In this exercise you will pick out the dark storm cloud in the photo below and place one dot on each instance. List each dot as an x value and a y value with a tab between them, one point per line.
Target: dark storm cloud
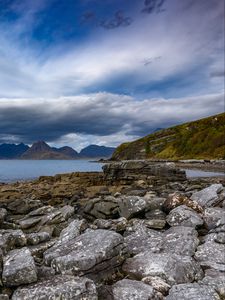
100	114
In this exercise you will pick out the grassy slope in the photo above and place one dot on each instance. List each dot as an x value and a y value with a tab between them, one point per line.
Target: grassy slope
203	138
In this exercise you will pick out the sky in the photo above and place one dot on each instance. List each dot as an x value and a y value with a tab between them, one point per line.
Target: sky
82	72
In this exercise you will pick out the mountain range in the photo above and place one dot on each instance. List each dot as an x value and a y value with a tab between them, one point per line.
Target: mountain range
41	150
201	139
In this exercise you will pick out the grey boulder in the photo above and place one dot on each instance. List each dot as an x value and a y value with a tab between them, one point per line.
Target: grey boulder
131	206
58	287
209	196
19	268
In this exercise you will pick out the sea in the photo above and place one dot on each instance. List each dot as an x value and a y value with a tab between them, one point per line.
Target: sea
22	170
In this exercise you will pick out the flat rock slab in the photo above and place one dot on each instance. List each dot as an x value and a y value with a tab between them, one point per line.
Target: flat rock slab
172	268
58	287
192	291
208	196
131	289
19	268
89	253
185	216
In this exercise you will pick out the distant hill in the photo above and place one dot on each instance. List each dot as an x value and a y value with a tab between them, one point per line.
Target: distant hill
204	138
95	151
9	151
41	150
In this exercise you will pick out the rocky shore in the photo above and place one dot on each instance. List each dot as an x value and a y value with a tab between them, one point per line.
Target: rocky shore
137	231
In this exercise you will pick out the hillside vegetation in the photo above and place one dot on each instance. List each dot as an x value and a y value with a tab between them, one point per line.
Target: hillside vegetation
201	139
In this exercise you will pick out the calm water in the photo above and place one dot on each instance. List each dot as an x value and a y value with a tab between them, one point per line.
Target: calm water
200	173
13	170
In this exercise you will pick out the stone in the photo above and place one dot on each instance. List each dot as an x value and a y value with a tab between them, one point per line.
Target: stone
156	219
19	268
127	289
3	214
58	287
38	237
102	208
23	206
91	253
170	267
213	217
117	225
209	196
185	216
154	202
4	297
211	255
192	291
67	211
220	237
157	283
10	239
131	206
45	272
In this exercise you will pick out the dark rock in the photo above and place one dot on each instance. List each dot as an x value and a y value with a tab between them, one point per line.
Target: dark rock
44	272
58	287
19	268
214	217
91	253
23	206
173	268
3	214
10	239
131	206
37	238
154	202
185	216
209	196
156	219
117	225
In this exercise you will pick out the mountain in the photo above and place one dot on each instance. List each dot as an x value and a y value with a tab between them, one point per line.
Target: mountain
201	139
95	151
41	150
9	151
68	151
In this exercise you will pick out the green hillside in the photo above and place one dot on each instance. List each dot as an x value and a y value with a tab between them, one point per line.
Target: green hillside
201	139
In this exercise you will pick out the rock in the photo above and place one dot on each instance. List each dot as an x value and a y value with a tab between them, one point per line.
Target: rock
156	219
131	206
117	225
102	208
192	291
185	216
127	289
38	250
220	238
23	206
154	202
170	267
19	268
92	253
213	217
211	255
209	196
176	199
10	239
37	238
158	284
67	211
3	214
58	287
44	272
180	240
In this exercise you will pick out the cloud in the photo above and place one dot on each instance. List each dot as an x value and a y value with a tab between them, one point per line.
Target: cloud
103	116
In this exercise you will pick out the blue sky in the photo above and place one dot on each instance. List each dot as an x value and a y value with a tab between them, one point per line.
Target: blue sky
89	71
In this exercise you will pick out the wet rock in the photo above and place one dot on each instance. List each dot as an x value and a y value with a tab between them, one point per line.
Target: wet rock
117	225
158	284
170	267
192	291
214	216
23	206
10	239
127	289
91	253
59	287
185	216
102	208
156	219
209	196
19	268
176	199
211	255
37	238
131	206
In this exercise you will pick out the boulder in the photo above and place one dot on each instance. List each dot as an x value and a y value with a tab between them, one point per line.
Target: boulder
131	206
19	268
37	238
117	225
157	283
10	239
185	216
58	287
214	217
23	206
209	196
170	267
211	255
127	289
193	291
156	219
3	214
93	253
